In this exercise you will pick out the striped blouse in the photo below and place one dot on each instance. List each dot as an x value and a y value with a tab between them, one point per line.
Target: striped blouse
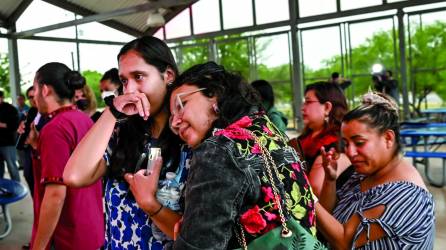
408	219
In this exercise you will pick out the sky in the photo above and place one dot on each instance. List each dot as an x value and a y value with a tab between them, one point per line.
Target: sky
317	45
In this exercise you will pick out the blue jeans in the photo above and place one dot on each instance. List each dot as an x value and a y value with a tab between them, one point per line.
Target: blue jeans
8	153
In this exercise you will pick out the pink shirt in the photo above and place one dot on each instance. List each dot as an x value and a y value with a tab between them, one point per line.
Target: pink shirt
81	223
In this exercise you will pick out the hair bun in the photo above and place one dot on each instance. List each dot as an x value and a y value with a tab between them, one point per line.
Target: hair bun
375	98
74	80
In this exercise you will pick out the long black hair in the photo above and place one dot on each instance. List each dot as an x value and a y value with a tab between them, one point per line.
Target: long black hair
266	93
62	79
235	98
134	134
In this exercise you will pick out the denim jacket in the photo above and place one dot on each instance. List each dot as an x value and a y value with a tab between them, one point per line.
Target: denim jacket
228	183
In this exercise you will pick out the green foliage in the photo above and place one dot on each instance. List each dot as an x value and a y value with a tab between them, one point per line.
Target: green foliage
429	51
376	49
427	61
4	73
278	73
93	78
234	56
192	56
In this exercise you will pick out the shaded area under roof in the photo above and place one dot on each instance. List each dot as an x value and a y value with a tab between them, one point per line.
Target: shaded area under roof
128	16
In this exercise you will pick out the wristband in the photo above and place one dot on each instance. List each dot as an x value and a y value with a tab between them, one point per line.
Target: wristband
157	211
109	102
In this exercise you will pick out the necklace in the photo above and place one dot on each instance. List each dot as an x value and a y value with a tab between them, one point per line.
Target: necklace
60	110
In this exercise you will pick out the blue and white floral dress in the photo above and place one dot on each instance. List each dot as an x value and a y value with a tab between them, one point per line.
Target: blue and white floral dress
127	225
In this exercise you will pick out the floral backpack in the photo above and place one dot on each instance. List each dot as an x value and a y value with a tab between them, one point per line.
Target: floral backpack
256	136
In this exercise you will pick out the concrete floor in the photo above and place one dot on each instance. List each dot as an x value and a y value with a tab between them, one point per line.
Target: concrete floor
22	217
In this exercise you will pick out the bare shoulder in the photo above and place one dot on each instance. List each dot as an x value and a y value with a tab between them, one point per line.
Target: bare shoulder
410	173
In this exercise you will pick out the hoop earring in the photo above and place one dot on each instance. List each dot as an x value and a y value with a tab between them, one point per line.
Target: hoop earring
169	84
326	119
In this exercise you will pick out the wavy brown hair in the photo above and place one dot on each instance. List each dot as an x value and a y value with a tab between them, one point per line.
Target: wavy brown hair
330	92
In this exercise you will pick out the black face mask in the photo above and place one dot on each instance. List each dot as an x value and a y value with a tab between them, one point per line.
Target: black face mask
82	104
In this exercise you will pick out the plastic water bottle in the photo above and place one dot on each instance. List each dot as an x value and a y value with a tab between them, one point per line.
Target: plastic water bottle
168	192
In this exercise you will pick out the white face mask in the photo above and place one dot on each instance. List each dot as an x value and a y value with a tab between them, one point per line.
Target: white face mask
107	93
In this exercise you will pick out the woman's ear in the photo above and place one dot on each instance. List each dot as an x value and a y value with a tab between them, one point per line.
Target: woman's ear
328	107
389	136
169	76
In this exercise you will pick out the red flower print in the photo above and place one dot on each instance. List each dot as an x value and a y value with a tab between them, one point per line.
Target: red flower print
311	217
234	133
270	216
244	122
253	221
267	131
296	166
256	149
293	176
268	191
237	129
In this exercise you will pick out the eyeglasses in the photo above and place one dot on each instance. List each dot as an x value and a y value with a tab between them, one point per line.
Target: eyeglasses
306	102
178	107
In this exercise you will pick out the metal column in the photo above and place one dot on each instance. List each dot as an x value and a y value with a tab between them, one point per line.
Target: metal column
296	77
14	71
403	67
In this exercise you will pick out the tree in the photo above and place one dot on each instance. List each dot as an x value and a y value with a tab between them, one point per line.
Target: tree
191	56
232	55
93	77
4	73
428	57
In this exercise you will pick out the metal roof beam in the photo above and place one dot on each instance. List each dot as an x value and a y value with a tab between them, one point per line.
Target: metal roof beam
85	12
18	11
366	10
104	16
3	22
69	40
346	13
169	16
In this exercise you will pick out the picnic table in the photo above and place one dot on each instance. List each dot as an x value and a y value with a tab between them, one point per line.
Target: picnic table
439	113
10	191
429	137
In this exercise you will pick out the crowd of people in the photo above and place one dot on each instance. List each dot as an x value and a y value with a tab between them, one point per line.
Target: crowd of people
227	173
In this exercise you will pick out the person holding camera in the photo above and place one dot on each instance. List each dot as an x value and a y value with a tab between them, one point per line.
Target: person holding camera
384	83
343	83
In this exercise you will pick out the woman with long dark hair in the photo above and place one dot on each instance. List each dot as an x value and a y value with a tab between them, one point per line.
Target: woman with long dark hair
218	115
146	69
322	111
